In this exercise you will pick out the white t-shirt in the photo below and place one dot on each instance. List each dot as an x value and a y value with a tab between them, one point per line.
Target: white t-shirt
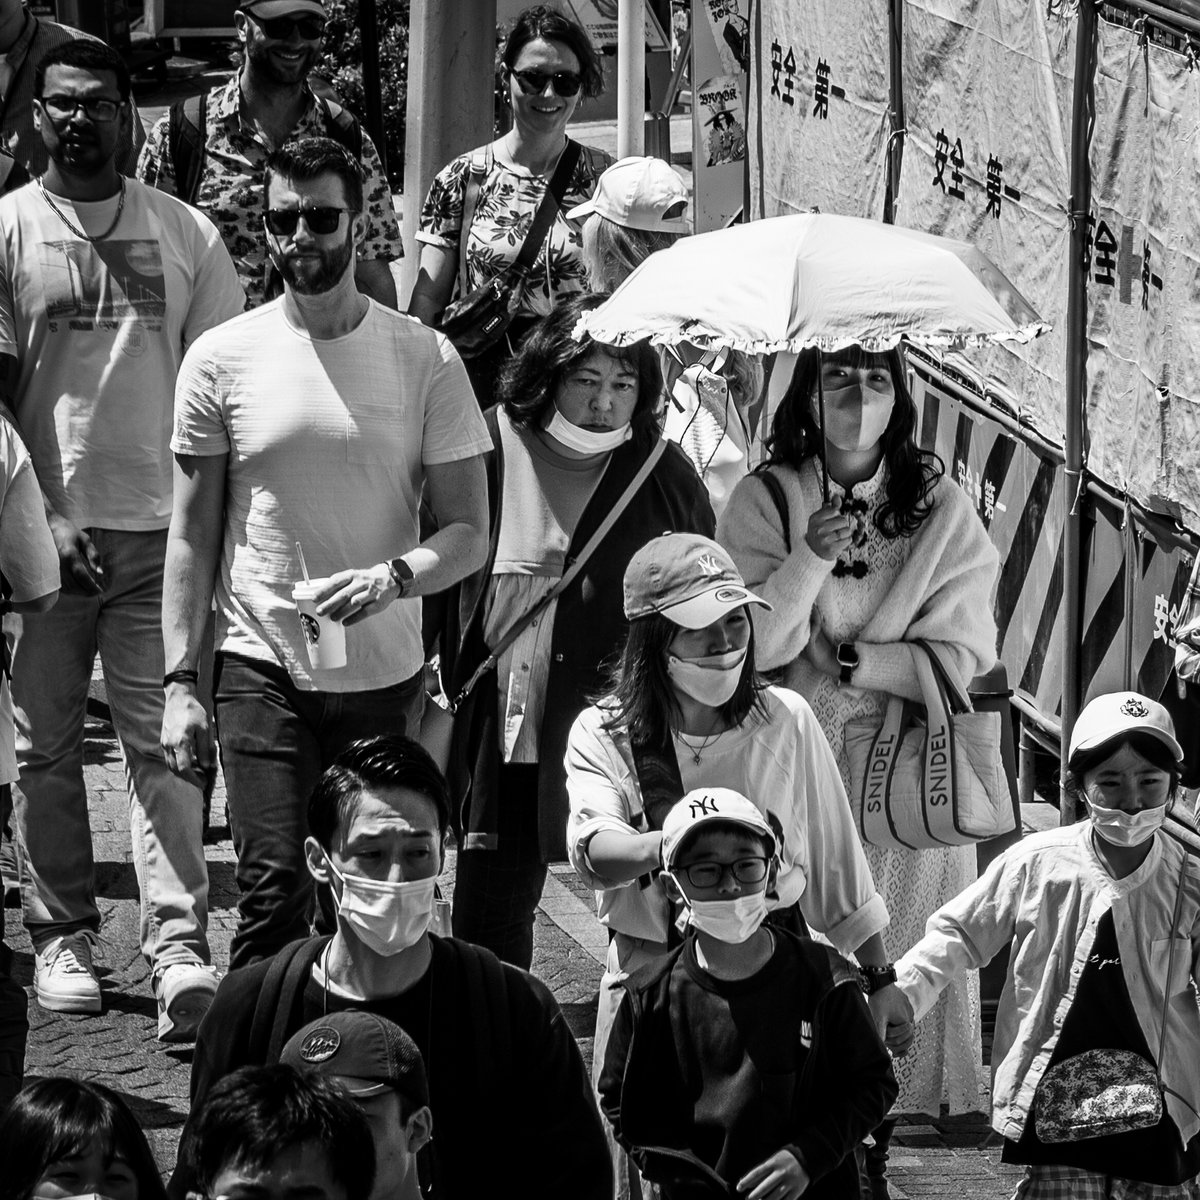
99	329
27	558
326	445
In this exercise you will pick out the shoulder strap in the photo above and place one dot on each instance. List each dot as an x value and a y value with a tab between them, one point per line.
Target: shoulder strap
1162	1033
548	209
478	169
342	125
187	133
287	974
568	576
779	498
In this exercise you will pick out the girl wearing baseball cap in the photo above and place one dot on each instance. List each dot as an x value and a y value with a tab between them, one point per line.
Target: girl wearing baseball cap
687	709
1096	1062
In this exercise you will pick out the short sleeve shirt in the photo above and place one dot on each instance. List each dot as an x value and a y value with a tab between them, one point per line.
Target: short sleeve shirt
327	441
230	191
509	197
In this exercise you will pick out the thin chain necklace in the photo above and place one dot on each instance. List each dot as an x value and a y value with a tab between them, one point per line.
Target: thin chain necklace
694	750
100	237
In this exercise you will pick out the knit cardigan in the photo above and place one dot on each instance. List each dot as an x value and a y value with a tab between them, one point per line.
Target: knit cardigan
942	594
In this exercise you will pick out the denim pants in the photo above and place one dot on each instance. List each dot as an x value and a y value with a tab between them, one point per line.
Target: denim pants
52	668
275	741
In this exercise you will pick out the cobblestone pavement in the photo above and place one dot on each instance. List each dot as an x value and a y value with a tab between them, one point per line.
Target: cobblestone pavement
952	1157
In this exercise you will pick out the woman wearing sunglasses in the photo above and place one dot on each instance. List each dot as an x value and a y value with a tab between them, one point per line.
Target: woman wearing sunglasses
548	65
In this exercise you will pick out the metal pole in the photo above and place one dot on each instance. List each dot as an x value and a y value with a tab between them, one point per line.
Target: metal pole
1076	380
451	95
896	129
631	77
368	19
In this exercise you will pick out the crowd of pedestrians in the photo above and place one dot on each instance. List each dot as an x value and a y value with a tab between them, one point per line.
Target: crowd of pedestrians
295	523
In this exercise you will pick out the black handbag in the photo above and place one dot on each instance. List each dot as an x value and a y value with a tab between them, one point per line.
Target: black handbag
479	319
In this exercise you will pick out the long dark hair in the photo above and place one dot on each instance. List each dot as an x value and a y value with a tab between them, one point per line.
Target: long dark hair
55	1118
644	696
912	473
531	378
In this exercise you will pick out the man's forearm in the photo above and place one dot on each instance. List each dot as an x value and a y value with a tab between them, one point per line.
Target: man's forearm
373	277
447	556
187	598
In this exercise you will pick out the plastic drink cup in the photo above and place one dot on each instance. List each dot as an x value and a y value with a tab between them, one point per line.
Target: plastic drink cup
324	637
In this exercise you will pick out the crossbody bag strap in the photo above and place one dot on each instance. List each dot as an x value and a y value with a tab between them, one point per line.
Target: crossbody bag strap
568	576
477	171
1162	1033
547	210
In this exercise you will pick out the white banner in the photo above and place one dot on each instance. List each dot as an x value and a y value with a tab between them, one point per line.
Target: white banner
819	99
987	93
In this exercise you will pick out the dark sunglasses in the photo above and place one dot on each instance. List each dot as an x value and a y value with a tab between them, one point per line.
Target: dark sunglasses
533	83
280	28
709	874
319	218
98	109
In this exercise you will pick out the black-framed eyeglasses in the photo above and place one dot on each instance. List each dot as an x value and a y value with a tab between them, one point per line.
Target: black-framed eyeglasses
312	29
533	83
320	218
709	874
96	108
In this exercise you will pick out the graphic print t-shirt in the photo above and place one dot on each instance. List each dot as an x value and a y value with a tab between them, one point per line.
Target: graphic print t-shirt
99	329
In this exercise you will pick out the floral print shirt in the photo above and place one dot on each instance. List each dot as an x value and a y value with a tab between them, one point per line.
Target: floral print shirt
230	191
508	199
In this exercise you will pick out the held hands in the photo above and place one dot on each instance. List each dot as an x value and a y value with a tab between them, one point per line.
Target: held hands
780	1177
79	562
187	740
352	596
828	532
893	1016
820	650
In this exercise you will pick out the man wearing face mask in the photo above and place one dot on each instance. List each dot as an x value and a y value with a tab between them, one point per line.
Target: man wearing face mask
682	1070
505	1076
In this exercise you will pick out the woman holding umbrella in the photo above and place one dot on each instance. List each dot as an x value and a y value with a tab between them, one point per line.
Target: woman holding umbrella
883	551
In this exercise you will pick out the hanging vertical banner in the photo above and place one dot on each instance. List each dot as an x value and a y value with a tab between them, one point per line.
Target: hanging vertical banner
819	107
1018	495
720	46
987	93
1143	407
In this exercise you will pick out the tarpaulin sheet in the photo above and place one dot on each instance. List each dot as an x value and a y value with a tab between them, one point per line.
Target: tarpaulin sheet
1143	419
818	108
987	95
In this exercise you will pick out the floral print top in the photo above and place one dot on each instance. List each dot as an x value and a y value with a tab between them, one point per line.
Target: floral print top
230	193
508	199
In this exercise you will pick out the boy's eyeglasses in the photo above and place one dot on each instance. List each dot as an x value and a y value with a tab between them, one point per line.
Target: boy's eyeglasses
319	218
312	29
95	108
533	83
709	874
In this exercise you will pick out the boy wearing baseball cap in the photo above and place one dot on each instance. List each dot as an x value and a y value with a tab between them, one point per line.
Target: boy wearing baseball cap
380	1066
746	1060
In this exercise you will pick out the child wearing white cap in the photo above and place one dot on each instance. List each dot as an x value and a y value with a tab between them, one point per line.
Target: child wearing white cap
748	1058
1096	1059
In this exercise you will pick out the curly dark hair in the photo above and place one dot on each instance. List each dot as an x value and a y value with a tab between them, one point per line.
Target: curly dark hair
644	696
531	379
913	473
548	24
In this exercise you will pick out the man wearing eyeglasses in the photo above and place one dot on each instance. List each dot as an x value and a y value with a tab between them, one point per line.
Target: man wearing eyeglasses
214	152
103	283
305	432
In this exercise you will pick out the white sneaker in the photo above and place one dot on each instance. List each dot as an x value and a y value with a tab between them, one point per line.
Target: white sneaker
185	990
64	978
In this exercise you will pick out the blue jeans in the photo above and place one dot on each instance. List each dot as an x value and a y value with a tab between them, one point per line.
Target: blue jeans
275	741
52	668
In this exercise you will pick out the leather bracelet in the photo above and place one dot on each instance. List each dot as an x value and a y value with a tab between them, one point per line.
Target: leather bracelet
183	675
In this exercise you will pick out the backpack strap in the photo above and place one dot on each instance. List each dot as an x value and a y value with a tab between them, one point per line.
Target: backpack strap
342	125
187	133
285	978
779	498
478	169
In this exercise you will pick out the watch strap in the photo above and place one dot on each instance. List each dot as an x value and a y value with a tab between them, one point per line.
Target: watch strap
847	658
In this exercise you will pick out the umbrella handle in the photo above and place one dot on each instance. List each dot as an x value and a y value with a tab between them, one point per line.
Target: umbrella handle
821	422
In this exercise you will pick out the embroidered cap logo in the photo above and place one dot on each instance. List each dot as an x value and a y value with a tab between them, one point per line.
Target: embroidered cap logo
709	566
1133	707
320	1045
702	808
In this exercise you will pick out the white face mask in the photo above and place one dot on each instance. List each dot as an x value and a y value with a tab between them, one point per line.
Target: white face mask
854	420
711	680
587	441
734	921
1126	828
386	917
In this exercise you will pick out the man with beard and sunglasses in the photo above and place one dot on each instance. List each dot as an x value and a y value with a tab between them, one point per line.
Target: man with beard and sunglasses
212	150
305	431
103	284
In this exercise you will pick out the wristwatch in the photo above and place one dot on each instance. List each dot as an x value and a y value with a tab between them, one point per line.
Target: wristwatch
401	573
874	979
847	657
